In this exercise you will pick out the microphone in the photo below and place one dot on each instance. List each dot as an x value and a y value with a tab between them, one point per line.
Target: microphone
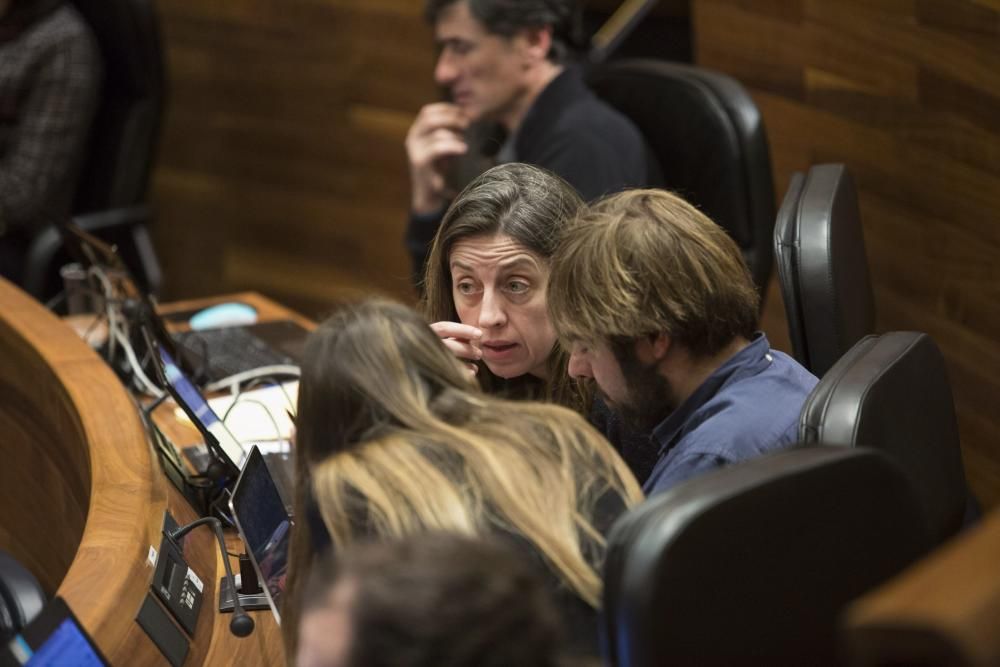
241	625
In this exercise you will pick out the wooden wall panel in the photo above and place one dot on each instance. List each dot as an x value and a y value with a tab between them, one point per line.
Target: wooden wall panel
907	94
282	165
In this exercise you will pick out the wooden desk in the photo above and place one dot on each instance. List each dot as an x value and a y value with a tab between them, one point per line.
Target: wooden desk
267	310
945	610
82	496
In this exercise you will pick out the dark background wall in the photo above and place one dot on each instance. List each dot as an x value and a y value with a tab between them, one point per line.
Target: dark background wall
907	93
282	166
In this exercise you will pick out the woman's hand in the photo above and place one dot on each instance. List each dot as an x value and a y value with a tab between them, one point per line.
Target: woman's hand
463	341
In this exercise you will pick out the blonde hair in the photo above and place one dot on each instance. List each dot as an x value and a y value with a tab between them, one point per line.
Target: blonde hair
400	441
644	262
533	207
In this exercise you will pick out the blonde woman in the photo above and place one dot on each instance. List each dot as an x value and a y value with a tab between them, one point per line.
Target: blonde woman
395	438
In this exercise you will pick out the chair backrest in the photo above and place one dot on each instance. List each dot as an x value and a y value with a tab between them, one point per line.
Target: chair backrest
753	564
119	157
709	139
891	392
21	596
823	267
118	161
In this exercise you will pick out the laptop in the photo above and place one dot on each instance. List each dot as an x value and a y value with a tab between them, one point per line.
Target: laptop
192	402
219	440
209	355
227	351
264	525
53	639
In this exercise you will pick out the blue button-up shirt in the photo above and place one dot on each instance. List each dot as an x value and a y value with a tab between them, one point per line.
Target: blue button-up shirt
749	406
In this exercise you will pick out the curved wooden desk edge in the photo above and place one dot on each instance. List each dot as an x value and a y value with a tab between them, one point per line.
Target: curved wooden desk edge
108	577
944	609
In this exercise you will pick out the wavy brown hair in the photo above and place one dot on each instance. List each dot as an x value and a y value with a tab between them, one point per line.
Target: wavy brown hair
395	438
506	17
532	206
644	262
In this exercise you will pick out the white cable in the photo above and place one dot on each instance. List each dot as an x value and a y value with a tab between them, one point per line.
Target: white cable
147	385
268	382
110	306
234	381
288	399
243	399
118	332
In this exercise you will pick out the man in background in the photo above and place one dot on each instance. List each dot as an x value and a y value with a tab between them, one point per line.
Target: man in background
50	73
658	307
431	600
509	64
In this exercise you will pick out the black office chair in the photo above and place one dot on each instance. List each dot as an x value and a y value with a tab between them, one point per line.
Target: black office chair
823	267
891	392
752	565
709	139
21	597
115	174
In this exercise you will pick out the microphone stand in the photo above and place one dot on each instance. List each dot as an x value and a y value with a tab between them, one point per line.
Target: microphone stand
241	625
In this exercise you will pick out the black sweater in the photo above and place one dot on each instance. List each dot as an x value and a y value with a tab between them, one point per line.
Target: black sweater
572	133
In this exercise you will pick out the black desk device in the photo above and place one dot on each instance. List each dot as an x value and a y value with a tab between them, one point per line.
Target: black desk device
177	585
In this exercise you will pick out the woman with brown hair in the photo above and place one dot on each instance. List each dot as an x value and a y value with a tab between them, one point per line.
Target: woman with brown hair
485	280
485	292
394	437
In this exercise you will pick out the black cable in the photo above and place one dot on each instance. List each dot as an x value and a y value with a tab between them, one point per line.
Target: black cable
56	300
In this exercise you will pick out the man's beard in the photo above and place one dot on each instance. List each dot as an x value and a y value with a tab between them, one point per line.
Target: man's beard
650	395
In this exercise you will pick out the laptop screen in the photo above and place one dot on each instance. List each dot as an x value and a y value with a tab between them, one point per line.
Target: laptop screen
264	525
54	638
193	403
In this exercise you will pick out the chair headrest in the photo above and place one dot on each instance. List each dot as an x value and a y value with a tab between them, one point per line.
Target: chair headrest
891	392
753	563
823	266
709	138
127	32
126	125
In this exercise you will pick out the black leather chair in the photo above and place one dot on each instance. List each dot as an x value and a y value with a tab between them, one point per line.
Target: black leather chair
752	565
709	139
114	178
891	392
21	596
823	267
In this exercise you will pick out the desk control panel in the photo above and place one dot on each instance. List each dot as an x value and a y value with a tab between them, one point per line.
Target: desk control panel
177	585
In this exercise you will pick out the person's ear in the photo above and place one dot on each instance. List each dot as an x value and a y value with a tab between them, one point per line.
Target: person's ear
536	43
653	348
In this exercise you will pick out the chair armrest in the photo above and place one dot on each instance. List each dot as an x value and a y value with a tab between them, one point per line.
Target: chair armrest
45	247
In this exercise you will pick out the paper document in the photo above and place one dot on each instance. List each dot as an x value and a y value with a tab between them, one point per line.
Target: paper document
259	415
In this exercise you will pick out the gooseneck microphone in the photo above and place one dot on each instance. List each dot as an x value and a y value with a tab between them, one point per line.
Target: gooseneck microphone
241	625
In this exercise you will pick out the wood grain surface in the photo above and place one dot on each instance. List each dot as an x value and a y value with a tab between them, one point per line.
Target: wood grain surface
282	167
82	496
905	92
943	611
